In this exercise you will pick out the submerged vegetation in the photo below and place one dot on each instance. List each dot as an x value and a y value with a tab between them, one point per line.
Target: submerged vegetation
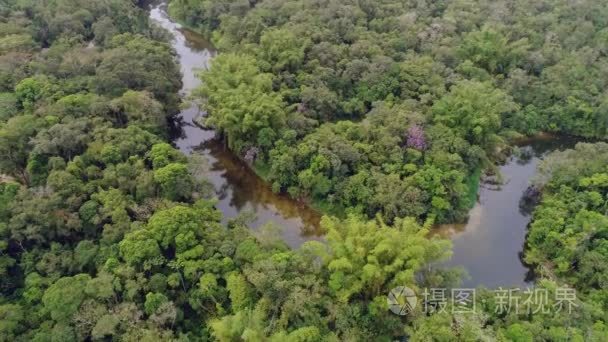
385	111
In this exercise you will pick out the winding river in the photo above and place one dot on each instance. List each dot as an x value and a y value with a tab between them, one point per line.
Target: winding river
489	247
238	189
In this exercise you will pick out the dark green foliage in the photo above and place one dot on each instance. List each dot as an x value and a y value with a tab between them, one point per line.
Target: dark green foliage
105	231
291	70
341	84
83	139
568	236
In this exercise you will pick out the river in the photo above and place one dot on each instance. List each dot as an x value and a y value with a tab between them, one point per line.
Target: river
489	247
238	189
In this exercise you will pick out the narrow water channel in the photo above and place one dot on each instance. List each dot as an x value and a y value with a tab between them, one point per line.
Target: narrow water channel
238	189
490	245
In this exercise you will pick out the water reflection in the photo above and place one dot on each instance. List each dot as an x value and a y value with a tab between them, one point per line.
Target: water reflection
239	190
490	245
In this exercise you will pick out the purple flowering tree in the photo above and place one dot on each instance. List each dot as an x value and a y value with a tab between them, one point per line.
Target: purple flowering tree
415	138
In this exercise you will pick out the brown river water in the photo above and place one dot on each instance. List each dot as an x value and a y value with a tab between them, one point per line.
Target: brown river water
489	247
238	189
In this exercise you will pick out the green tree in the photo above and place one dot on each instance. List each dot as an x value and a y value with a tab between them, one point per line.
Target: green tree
175	181
63	298
14	145
491	50
240	99
281	49
475	110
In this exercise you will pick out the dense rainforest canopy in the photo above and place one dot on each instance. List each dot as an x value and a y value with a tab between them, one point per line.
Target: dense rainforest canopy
383	112
394	106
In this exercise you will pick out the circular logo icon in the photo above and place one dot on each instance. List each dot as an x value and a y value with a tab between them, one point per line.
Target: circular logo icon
402	300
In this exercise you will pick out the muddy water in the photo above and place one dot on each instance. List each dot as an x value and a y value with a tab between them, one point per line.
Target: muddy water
238	189
490	245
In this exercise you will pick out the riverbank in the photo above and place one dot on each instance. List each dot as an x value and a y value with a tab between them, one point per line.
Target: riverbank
198	32
240	191
492	239
490	245
6	179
